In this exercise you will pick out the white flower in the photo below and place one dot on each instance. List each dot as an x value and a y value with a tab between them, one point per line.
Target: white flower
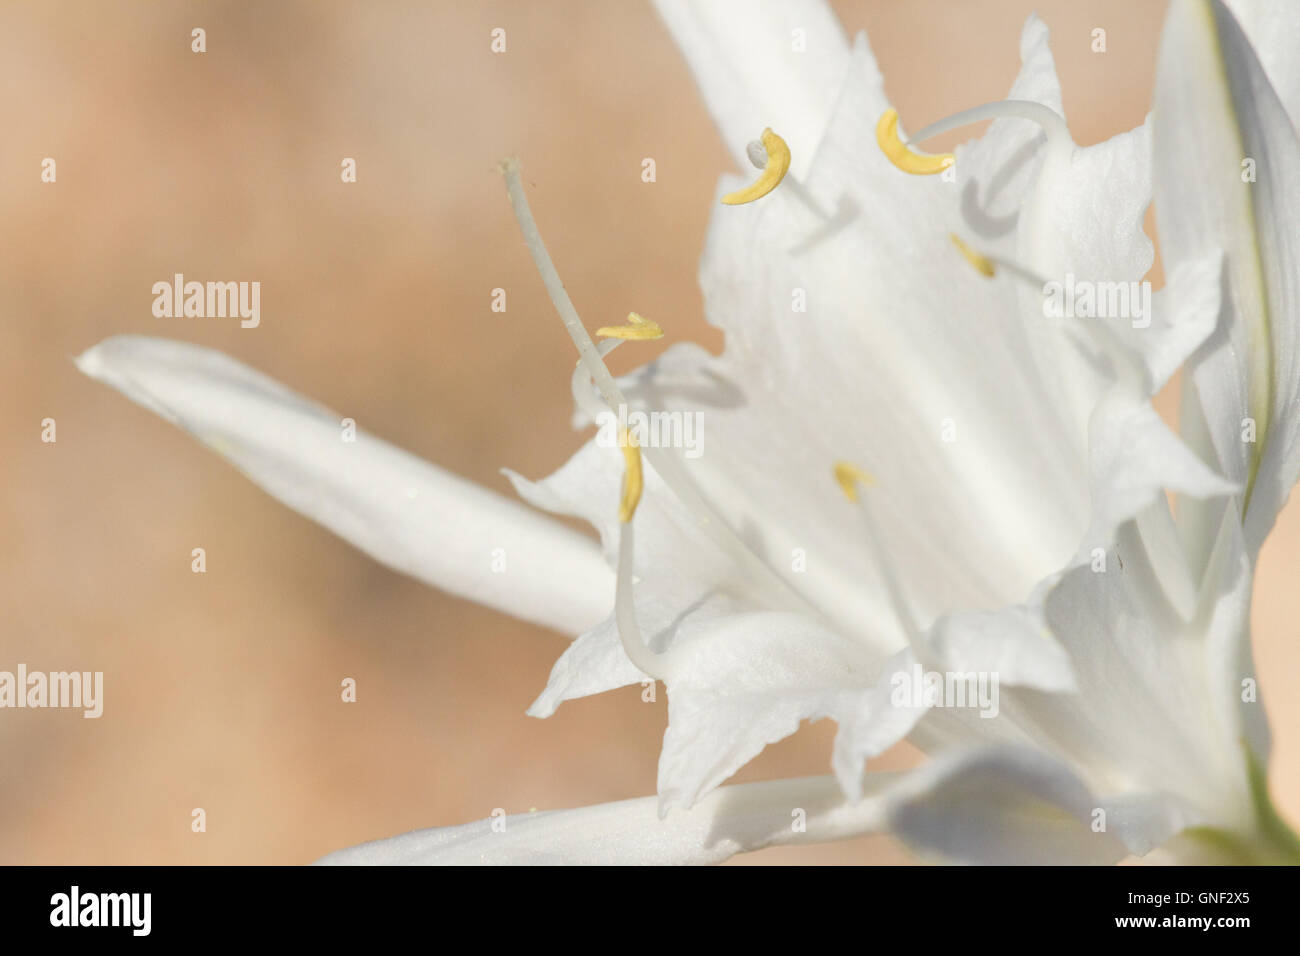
1016	522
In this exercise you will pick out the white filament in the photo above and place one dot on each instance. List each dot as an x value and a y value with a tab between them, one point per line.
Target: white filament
629	632
1052	123
1056	162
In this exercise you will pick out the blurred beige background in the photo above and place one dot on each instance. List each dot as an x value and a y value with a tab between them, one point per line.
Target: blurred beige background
222	690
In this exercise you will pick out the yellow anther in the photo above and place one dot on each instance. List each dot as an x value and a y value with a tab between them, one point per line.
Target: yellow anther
983	264
636	328
631	477
778	162
849	477
898	153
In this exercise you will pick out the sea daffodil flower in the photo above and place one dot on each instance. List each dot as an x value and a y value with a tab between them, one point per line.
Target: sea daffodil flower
923	469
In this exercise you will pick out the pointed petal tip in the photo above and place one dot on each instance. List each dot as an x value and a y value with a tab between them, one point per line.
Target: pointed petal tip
94	362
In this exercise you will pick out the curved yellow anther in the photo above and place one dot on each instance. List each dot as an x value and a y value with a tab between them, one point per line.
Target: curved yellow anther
636	328
849	476
897	152
778	162
631	477
983	264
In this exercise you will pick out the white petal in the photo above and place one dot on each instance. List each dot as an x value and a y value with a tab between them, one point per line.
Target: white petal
1273	27
1185	313
1225	619
1154	713
1215	112
1098	209
749	67
400	510
682	577
1001	806
748	680
1133	458
1014	643
728	821
992	806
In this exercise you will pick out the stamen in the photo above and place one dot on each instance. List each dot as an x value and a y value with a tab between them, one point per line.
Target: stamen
757	154
631	476
778	163
848	475
665	463
983	265
898	153
637	328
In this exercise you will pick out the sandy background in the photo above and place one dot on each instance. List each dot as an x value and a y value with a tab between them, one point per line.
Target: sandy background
222	689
